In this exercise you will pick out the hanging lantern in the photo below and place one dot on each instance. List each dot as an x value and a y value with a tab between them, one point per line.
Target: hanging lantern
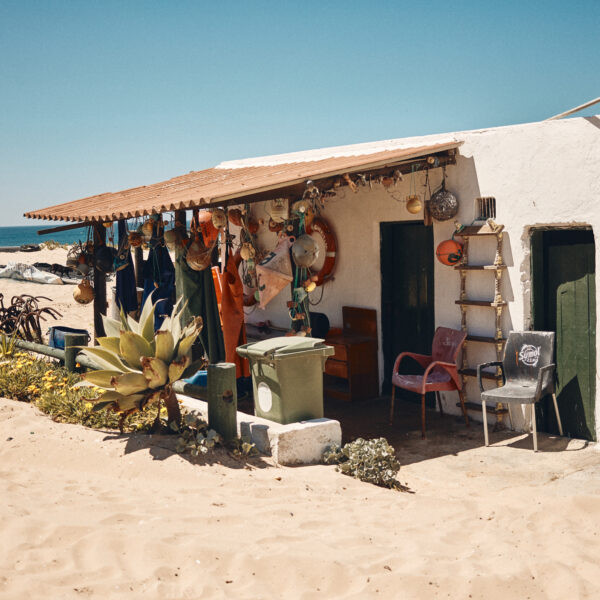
84	293
413	204
219	218
443	204
449	252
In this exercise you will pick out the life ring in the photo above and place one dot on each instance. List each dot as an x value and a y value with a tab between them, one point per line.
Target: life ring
249	299
321	227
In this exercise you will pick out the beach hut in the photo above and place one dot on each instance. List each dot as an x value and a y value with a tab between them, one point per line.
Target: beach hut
515	205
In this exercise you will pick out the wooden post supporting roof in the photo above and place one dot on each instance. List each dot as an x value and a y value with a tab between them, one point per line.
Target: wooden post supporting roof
99	284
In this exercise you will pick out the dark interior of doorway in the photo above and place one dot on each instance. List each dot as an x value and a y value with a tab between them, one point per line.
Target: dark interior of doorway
407	296
563	300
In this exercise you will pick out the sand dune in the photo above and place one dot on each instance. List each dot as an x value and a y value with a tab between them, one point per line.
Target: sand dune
94	514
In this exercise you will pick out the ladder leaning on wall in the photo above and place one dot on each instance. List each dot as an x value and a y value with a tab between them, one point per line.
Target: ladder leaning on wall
498	304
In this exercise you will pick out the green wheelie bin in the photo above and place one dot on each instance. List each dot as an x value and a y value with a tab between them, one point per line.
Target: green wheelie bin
287	377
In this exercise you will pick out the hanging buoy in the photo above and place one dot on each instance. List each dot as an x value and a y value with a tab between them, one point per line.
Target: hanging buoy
449	252
413	204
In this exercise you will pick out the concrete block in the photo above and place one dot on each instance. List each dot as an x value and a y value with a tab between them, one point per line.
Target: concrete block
294	444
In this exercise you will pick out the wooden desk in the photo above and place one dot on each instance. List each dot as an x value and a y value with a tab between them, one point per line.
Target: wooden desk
352	373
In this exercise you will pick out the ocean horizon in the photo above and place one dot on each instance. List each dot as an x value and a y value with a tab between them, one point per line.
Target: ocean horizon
18	235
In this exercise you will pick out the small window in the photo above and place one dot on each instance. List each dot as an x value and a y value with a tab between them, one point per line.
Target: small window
486	208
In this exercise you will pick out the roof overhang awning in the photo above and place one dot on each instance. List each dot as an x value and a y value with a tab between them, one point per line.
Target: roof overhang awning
222	185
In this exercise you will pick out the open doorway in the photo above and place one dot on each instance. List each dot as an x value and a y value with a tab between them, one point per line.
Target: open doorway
564	300
407	300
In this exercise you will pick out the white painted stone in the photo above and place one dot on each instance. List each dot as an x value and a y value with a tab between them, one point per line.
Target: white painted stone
294	444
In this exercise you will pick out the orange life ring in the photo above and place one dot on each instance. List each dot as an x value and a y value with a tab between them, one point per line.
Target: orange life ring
321	227
249	299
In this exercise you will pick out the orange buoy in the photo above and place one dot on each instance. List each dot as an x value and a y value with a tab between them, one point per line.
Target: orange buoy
449	252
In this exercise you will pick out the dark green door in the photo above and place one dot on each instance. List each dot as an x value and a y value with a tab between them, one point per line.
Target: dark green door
564	301
407	309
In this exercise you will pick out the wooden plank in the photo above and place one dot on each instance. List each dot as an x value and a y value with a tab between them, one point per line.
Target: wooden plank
99	285
62	228
489	409
484	339
487	303
470	372
476	230
479	267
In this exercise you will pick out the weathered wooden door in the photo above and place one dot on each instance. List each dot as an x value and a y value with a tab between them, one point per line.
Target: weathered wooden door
407	309
564	301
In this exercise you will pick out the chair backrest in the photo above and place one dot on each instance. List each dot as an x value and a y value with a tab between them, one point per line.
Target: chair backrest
447	344
526	353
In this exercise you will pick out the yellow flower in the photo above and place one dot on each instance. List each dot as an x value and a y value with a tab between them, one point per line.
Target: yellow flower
88	405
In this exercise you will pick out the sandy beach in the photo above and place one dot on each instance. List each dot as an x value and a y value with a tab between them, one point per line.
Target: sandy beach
61	296
94	514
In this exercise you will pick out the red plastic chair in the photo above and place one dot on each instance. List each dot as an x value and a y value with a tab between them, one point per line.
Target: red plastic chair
441	373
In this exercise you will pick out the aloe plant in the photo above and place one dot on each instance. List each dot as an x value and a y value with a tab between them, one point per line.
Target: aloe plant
139	366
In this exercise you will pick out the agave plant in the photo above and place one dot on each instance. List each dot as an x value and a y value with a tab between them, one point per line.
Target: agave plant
139	366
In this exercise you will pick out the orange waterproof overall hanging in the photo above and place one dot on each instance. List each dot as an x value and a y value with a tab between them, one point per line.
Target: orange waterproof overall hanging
232	315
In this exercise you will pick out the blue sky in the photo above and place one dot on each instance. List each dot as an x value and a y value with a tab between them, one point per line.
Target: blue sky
101	96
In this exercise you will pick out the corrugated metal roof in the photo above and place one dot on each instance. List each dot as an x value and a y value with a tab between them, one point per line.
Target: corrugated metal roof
218	184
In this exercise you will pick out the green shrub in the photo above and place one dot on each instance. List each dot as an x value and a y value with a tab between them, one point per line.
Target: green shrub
22	377
373	461
50	387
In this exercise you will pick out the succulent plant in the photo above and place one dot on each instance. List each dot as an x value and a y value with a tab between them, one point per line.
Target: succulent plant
373	461
139	366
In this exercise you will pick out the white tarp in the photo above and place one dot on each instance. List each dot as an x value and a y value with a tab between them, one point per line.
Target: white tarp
24	272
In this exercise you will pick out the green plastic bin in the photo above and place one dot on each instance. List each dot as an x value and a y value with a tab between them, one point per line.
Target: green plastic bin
287	377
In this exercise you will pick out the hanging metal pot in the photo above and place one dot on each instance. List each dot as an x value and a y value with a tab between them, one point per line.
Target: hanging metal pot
443	204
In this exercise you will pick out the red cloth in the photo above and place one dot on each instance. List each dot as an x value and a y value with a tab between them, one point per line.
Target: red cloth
232	316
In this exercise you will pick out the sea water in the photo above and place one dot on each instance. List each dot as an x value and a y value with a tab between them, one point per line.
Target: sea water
18	235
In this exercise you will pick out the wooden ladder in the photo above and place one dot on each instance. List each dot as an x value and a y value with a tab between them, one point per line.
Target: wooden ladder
498	304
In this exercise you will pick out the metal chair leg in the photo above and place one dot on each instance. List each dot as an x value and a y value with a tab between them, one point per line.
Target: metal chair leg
560	429
512	427
392	405
422	416
485	427
534	428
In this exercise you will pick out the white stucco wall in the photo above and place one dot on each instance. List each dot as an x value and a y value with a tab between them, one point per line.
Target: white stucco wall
545	173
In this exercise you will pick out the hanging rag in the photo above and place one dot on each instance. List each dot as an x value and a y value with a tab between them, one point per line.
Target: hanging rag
159	279
126	289
232	316
197	290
